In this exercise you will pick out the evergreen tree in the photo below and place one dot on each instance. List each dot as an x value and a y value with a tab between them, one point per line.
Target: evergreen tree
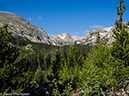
56	65
74	64
65	53
98	38
73	56
48	60
120	49
10	67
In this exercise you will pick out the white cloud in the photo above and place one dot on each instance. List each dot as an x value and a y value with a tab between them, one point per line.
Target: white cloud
96	26
85	31
40	17
75	33
29	19
51	34
80	32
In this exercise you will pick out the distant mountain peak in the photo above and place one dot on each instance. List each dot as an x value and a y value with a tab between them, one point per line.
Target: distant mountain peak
64	36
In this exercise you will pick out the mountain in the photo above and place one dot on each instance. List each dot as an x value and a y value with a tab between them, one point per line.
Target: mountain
22	29
105	34
89	39
65	39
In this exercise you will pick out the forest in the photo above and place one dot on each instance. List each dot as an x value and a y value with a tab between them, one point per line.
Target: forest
65	71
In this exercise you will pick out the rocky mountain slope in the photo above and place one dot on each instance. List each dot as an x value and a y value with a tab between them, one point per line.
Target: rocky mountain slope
65	39
21	28
24	30
89	39
105	34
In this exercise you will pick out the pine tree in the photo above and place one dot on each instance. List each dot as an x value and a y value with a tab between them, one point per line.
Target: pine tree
56	65
73	56
10	67
120	49
74	64
98	38
65	53
48	60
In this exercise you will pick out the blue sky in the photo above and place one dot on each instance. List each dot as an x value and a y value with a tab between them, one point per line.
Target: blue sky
72	16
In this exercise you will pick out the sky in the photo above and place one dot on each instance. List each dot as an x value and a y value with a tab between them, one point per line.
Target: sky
75	17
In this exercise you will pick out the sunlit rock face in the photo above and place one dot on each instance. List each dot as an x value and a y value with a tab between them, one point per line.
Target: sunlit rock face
105	34
21	28
66	39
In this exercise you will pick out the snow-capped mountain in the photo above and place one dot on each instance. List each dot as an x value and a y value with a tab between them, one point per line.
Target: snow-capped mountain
88	40
65	38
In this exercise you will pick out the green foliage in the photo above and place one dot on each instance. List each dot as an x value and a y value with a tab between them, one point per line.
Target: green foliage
92	85
71	68
37	75
74	63
97	72
73	56
101	55
120	72
56	65
10	67
106	67
55	68
93	72
66	92
98	38
120	49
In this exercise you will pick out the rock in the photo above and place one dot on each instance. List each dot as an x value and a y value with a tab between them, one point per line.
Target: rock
22	29
29	47
126	85
121	94
113	93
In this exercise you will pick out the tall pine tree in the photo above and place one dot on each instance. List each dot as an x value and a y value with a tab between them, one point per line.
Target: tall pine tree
10	67
73	56
56	65
98	38
120	48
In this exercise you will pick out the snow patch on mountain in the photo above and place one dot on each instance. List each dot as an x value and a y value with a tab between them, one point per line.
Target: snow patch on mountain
102	33
78	42
62	36
107	28
78	37
54	43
